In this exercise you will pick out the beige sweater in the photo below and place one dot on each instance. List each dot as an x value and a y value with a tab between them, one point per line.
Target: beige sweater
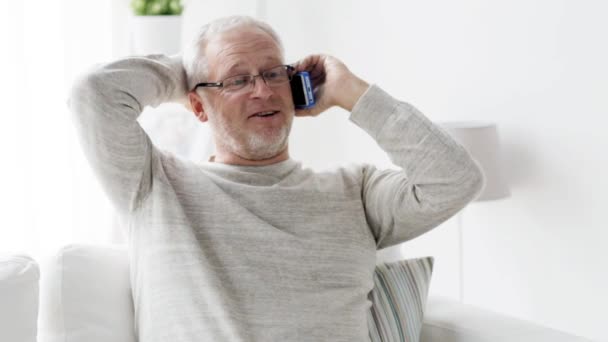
270	253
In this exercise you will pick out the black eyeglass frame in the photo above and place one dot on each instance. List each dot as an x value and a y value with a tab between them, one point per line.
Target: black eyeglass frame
220	84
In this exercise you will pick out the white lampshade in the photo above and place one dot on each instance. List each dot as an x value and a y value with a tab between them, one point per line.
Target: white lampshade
481	140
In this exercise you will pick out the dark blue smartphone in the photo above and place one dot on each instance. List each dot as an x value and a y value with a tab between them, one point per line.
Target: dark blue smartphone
301	90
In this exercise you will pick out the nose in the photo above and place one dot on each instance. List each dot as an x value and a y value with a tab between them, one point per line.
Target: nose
260	88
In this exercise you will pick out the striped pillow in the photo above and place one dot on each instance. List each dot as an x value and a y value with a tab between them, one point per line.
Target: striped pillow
398	300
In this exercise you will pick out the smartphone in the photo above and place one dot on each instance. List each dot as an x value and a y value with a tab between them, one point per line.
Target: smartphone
301	90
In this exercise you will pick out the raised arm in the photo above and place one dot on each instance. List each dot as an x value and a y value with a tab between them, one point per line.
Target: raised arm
438	176
105	102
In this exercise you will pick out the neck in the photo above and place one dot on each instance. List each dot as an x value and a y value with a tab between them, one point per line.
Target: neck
234	159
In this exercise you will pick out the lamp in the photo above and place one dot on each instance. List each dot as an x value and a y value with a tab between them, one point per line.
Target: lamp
480	139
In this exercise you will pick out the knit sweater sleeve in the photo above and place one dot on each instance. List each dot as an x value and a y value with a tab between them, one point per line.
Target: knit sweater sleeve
105	102
438	177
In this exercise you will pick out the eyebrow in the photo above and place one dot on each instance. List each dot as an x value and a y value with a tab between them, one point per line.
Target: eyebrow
238	65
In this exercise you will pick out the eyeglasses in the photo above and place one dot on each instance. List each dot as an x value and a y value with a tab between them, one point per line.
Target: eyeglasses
272	77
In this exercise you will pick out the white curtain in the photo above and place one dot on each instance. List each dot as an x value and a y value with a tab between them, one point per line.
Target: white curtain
50	196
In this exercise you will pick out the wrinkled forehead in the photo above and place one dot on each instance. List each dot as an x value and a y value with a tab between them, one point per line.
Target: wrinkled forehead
241	50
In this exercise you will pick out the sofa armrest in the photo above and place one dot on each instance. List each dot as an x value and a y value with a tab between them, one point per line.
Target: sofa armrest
447	320
85	295
19	276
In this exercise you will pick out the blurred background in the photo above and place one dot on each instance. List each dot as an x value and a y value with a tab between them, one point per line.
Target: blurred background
536	68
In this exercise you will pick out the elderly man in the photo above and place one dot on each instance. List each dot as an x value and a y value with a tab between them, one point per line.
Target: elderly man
249	245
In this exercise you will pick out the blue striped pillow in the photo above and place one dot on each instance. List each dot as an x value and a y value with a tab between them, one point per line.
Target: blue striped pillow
398	300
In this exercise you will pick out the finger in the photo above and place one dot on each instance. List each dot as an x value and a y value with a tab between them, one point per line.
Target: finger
314	111
301	64
302	112
316	71
317	81
309	63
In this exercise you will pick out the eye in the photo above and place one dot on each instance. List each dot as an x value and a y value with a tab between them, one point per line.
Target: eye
272	75
236	81
276	74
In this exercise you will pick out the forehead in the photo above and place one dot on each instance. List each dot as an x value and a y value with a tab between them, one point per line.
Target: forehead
241	49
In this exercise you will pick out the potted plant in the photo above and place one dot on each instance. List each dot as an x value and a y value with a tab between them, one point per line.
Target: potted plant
156	26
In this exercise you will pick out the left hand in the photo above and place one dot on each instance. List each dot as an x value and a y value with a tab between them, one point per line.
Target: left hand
333	84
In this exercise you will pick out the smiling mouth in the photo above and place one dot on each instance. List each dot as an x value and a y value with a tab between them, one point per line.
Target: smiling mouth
267	114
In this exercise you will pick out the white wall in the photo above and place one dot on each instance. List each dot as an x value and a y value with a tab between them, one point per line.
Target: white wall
536	68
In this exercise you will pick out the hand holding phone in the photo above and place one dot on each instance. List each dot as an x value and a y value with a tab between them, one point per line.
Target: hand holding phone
331	83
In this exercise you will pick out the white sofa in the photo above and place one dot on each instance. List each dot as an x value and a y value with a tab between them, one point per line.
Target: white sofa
19	275
85	296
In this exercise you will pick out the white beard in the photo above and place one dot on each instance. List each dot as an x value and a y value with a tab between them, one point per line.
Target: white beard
260	146
252	145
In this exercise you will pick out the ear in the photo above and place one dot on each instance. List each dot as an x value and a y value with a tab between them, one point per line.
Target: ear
196	103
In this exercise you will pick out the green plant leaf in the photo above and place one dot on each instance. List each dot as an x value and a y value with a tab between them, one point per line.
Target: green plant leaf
139	7
175	7
157	7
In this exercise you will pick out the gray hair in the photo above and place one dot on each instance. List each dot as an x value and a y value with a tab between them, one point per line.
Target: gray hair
194	60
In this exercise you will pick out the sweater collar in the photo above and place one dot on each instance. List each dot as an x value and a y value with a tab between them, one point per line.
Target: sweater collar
262	175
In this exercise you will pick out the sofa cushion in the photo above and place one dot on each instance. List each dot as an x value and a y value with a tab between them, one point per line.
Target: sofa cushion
399	299
86	295
19	275
450	320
